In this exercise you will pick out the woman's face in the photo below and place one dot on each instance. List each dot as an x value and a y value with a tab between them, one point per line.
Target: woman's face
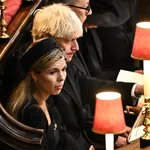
82	13
51	80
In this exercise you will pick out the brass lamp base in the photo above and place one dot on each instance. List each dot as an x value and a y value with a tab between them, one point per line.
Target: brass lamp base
145	139
4	36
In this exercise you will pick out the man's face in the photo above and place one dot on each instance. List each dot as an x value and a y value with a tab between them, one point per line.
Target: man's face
69	46
81	12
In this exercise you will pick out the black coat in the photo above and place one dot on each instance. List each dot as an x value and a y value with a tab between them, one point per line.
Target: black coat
117	47
91	49
55	135
78	97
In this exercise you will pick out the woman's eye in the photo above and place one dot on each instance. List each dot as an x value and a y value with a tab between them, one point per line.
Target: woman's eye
64	69
53	72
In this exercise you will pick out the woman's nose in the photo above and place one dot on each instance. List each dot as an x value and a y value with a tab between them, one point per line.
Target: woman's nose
62	76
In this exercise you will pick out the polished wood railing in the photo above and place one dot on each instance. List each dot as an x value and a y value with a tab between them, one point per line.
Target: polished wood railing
15	28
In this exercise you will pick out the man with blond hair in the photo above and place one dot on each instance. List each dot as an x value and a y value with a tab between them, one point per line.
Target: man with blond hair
52	22
61	25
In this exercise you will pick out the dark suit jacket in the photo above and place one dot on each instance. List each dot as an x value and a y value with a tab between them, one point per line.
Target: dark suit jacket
117	47
91	49
55	135
78	97
89	86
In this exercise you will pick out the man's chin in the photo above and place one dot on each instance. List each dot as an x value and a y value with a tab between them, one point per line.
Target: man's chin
68	59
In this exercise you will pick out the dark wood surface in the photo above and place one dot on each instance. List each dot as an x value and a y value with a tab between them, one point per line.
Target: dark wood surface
134	146
15	28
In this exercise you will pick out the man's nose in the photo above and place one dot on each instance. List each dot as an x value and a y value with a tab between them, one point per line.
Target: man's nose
90	12
76	46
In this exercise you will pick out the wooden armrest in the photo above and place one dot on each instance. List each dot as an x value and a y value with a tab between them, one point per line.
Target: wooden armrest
16	27
18	135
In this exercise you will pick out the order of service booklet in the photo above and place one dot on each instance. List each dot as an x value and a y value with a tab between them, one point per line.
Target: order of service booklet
138	128
129	76
133	77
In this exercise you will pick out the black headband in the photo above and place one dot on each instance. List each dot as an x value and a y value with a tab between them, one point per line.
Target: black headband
38	50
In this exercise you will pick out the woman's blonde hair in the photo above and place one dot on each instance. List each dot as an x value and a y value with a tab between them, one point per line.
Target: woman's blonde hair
56	20
26	89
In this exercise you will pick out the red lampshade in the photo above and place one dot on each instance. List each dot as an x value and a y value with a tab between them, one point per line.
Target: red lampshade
109	116
141	44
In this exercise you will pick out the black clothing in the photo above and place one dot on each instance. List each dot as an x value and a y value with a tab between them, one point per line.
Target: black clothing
91	49
117	47
111	13
78	97
55	136
86	87
107	50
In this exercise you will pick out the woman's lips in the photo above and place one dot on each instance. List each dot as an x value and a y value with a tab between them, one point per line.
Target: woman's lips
59	87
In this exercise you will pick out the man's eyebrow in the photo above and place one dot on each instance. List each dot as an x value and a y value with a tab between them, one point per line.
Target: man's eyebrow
77	37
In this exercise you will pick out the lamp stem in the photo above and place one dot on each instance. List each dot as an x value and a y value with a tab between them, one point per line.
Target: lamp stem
109	141
146	78
145	139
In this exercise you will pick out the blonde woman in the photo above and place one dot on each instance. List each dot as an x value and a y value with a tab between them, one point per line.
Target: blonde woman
45	69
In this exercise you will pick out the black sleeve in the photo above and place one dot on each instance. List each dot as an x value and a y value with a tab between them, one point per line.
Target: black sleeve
71	143
91	86
67	142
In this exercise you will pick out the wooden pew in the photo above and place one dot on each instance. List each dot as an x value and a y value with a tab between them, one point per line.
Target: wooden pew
17	30
13	134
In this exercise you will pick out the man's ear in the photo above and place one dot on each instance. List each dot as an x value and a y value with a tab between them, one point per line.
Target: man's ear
33	75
